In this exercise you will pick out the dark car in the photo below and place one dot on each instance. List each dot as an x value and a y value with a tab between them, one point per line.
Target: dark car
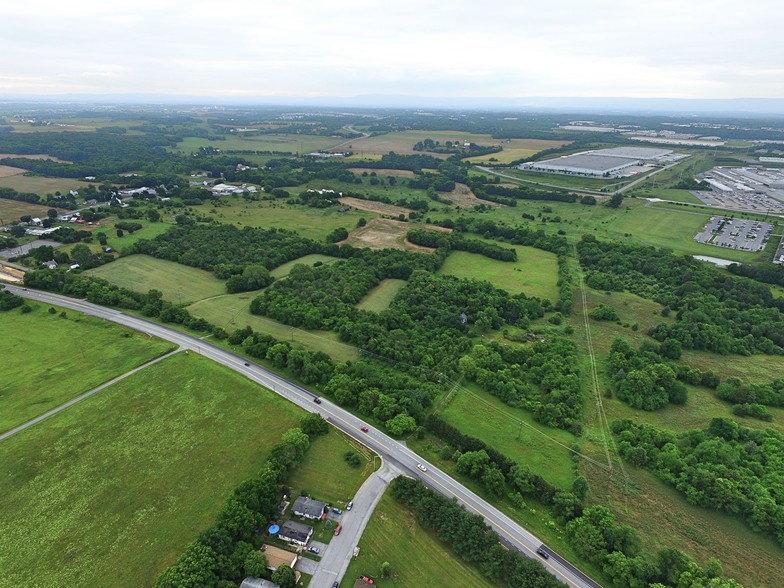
543	553
247	364
335	585
317	400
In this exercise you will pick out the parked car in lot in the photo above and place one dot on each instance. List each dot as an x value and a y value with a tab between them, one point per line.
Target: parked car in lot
337	510
313	549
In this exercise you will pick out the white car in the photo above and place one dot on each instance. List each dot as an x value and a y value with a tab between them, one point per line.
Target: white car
421	467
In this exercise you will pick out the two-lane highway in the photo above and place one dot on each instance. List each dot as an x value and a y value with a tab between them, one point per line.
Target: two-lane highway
401	456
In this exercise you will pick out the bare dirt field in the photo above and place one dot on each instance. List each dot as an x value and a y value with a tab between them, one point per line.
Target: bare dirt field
7	170
34	156
383	172
465	198
371	206
384	233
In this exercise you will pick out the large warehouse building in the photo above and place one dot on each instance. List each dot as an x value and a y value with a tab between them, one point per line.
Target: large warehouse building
602	162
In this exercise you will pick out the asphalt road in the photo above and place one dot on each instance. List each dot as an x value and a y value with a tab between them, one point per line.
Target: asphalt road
402	458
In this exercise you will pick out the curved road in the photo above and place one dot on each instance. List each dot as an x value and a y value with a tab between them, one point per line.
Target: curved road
511	533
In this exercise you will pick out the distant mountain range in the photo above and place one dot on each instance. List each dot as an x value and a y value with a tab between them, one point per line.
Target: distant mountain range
683	106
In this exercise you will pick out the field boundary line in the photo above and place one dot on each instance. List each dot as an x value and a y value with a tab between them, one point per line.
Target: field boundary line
84	396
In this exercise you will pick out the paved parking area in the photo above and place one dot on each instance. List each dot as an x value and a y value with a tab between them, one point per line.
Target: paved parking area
743	234
755	189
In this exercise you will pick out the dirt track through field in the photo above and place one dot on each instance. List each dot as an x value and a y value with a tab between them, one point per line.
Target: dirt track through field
384	233
372	206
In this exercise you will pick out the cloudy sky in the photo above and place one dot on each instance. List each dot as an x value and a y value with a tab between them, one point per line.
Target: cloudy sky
341	48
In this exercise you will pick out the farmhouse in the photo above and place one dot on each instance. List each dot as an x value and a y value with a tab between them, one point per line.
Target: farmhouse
294	532
308	508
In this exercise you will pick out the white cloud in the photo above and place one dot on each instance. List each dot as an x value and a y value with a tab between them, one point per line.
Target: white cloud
717	49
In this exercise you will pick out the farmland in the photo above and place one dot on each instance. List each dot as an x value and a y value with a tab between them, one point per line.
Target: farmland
275	142
232	311
384	233
534	273
415	556
73	354
178	283
127	467
41	185
12	209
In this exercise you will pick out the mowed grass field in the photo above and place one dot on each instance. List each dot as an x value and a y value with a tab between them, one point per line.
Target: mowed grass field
481	415
48	359
283	270
116	486
232	311
11	210
416	556
275	142
514	149
179	283
42	185
380	297
313	223
325	475
535	272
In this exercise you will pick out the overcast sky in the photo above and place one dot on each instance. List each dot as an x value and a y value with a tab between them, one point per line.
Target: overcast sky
449	48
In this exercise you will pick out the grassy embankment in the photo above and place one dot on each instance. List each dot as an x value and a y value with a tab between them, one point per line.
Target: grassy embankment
48	359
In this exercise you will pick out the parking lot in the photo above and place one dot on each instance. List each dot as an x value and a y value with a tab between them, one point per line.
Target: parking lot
743	234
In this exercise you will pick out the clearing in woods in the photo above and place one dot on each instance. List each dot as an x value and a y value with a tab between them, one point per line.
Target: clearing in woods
380	297
463	196
384	233
373	206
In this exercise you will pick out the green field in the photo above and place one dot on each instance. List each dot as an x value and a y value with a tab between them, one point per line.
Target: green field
416	556
313	223
232	311
481	415
179	283
535	273
116	486
123	244
283	270
380	297
48	359
277	142
11	210
325	475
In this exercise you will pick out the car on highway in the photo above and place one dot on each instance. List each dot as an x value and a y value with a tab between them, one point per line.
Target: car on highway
543	553
317	400
421	467
247	364
338	530
313	549
363	429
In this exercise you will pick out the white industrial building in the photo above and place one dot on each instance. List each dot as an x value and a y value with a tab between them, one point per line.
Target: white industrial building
602	162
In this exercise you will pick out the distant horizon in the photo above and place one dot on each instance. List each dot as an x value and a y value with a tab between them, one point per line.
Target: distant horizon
748	107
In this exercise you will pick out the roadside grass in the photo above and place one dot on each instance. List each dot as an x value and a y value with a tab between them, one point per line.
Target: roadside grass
664	519
283	270
533	515
535	272
479	414
567	182
48	359
325	474
181	284
416	556
232	312
668	194
41	185
313	223
275	142
380	297
11	210
119	484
